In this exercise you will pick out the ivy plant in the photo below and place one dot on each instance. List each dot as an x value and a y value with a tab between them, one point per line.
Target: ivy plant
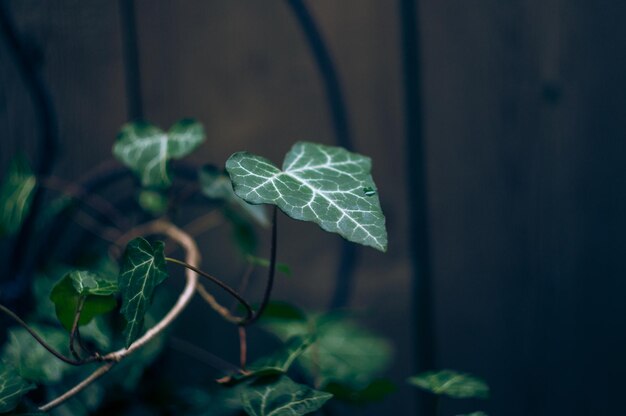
101	314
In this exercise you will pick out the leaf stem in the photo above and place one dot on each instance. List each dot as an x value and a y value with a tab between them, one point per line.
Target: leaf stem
74	332
43	343
243	347
230	290
271	272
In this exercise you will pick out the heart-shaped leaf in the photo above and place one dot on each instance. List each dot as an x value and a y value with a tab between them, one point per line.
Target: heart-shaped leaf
280	396
12	387
451	383
98	295
15	195
146	149
327	185
143	268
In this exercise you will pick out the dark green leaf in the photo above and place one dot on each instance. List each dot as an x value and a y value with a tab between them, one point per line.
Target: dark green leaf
12	387
33	361
98	297
153	202
244	235
280	396
318	183
217	185
146	149
343	352
15	195
451	383
376	391
279	362
143	268
282	311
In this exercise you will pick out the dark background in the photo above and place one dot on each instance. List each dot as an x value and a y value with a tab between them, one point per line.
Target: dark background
519	108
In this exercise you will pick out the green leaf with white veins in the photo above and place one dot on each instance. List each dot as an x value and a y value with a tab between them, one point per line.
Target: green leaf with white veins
12	387
143	268
327	185
281	397
146	149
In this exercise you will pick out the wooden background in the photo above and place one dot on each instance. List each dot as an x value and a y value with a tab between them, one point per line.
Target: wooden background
524	112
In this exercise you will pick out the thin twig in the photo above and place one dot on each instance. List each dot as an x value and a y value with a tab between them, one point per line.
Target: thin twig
74	332
79	387
271	272
43	343
230	290
193	258
243	347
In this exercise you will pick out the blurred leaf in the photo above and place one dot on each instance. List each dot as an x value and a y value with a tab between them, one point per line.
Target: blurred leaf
97	292
451	383
33	361
146	149
327	185
217	185
219	400
259	261
12	387
153	202
143	268
16	195
343	352
279	396
282	311
279	362
376	391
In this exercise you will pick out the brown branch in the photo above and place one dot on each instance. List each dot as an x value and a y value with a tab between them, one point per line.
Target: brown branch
74	332
192	256
42	342
243	347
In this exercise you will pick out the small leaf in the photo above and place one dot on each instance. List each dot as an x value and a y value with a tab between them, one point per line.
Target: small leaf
16	195
12	387
451	383
143	268
153	202
217	185
97	292
281	397
259	261
279	362
278	310
318	183
146	149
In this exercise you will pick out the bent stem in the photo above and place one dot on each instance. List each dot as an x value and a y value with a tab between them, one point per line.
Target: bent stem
230	290
74	332
192	256
42	342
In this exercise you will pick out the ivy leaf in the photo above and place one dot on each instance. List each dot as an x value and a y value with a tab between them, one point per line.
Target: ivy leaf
281	397
143	268
279	362
376	391
146	149
98	297
327	185
12	387
217	185
33	361
343	352
451	383
16	195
